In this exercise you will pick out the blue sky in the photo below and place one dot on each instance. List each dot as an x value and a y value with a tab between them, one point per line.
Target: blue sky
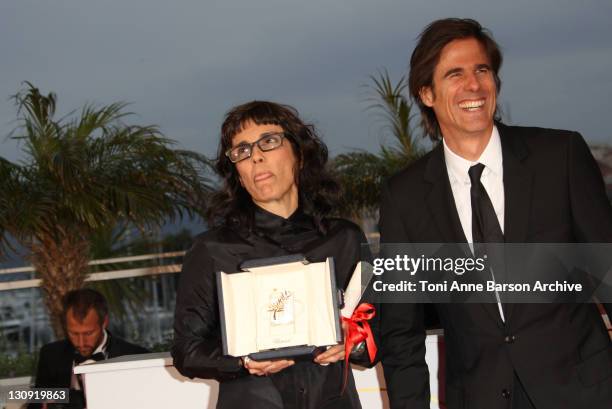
183	64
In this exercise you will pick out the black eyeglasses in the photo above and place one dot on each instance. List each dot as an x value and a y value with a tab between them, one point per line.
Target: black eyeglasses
267	142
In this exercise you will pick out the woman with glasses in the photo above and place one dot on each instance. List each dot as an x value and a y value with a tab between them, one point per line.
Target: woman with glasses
275	201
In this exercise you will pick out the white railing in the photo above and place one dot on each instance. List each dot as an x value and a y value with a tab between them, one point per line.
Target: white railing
102	275
372	237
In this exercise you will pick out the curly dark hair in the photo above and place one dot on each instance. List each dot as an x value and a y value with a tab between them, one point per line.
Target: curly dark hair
318	190
426	56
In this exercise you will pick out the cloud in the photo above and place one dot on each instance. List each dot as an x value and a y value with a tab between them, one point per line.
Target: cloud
183	64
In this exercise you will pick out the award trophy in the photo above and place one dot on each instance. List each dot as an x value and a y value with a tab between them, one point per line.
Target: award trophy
279	307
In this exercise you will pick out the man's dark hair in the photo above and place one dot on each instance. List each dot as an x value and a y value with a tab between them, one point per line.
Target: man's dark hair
83	300
318	190
426	56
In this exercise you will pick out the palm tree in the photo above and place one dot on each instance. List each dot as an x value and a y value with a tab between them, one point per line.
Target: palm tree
85	173
362	173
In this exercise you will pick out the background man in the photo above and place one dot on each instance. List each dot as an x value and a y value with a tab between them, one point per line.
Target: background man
488	182
86	322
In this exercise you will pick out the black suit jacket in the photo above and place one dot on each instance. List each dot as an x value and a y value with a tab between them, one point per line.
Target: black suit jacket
56	358
554	193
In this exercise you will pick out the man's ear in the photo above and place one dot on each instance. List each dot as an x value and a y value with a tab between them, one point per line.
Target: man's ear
427	96
105	323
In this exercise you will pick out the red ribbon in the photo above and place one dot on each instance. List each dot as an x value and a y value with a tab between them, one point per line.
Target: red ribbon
358	330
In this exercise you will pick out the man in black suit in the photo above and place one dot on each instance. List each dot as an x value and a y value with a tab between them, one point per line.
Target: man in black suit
85	322
487	182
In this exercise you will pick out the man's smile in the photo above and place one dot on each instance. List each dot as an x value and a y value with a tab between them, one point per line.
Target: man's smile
472	105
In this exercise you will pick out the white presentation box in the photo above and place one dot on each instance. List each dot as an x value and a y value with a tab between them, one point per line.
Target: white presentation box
144	381
279	307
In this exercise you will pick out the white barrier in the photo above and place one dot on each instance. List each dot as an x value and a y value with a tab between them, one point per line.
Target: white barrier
150	381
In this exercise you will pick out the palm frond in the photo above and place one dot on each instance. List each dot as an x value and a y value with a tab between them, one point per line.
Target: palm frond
86	172
361	174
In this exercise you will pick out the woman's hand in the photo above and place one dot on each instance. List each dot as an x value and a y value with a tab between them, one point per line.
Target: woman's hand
333	354
264	368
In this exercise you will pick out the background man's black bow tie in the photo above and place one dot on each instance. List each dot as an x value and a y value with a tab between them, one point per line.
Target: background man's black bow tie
98	356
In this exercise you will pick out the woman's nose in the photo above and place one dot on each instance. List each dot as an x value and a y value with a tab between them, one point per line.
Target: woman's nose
257	154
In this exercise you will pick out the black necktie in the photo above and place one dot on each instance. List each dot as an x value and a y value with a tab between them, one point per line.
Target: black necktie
485	226
486	229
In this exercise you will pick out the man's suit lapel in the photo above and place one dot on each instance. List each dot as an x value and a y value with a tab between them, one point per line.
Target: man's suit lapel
518	185
64	363
113	348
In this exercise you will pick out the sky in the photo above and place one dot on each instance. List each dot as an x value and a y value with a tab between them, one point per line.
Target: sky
182	64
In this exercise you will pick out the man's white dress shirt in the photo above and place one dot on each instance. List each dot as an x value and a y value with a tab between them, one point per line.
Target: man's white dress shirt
492	179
